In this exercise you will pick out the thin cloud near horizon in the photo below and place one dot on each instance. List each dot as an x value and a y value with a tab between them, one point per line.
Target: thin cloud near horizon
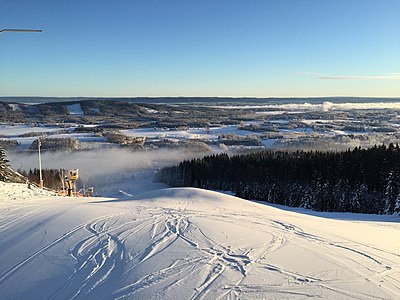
388	76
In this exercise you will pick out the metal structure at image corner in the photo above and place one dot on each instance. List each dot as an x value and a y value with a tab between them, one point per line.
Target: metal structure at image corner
19	30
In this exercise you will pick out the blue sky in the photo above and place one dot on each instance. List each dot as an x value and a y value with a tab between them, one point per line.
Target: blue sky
255	48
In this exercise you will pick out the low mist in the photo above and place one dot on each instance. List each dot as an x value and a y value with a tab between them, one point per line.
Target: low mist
107	169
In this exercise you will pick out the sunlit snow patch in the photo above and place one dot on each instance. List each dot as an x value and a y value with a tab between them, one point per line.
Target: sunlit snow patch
151	111
14	106
75	109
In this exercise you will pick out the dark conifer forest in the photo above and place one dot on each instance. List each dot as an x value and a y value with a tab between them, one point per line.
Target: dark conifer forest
52	177
358	181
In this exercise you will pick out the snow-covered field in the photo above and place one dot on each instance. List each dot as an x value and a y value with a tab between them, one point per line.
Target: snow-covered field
211	134
7	131
245	125
189	244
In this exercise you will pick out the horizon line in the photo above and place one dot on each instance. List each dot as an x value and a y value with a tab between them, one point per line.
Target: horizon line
203	97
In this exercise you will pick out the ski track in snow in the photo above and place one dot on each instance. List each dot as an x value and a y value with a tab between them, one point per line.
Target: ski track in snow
187	248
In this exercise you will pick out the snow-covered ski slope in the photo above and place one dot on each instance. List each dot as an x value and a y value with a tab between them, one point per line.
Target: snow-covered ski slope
189	244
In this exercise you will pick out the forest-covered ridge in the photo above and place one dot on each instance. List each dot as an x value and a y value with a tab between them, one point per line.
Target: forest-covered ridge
358	180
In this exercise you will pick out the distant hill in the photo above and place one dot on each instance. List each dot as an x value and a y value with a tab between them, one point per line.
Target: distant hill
187	100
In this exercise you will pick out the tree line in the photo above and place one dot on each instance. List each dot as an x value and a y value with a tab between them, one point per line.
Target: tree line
358	180
52	178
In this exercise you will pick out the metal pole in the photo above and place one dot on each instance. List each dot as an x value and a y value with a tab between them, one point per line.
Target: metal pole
62	180
40	165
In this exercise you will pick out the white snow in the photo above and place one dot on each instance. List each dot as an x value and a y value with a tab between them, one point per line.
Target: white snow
88	137
189	243
268	142
150	110
322	121
271	113
19	129
211	133
75	109
14	106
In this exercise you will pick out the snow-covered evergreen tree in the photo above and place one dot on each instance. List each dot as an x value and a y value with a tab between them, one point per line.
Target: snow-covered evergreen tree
341	193
359	197
3	165
7	174
397	206
391	193
307	199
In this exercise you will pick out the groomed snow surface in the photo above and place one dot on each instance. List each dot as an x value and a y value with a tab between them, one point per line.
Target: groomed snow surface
189	244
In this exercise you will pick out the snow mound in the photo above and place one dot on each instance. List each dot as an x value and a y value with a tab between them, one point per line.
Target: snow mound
193	197
187	243
21	191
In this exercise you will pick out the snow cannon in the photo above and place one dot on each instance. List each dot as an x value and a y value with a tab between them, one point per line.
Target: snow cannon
74	174
89	191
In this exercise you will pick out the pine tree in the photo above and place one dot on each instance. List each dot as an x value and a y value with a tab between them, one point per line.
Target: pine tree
397	206
7	174
391	193
358	198
3	165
